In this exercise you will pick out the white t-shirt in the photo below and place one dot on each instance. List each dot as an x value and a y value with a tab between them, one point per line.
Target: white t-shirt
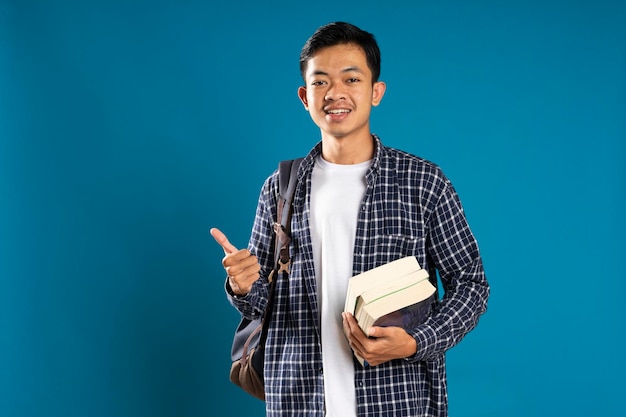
336	195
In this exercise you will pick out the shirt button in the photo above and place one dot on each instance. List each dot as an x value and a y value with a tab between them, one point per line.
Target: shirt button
321	371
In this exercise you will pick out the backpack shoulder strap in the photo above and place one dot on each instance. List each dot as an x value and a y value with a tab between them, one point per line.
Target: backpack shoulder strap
287	177
287	180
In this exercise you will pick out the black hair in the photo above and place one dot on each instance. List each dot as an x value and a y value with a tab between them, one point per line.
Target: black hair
338	33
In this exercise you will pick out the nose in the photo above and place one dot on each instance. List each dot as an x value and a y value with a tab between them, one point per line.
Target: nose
335	92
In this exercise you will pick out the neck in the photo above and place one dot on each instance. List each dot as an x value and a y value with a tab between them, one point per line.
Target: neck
346	151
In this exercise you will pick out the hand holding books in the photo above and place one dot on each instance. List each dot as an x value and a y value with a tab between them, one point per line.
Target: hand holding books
395	294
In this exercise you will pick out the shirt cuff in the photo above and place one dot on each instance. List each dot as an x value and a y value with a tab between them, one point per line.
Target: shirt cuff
230	292
425	338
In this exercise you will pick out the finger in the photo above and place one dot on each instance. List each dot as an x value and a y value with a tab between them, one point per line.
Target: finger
383	332
347	331
222	240
353	325
241	264
346	325
353	333
377	332
351	329
355	328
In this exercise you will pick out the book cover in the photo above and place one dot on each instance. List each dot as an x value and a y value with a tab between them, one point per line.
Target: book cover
407	317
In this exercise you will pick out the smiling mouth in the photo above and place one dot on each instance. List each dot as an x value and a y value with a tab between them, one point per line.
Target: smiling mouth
337	111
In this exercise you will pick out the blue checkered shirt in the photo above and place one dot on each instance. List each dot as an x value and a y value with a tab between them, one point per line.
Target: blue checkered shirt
409	208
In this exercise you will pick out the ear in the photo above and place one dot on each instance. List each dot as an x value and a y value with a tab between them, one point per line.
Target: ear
302	96
378	91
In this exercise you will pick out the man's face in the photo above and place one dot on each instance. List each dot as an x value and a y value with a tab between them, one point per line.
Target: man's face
338	91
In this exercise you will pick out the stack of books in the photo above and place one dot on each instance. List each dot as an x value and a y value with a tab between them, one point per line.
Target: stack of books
395	294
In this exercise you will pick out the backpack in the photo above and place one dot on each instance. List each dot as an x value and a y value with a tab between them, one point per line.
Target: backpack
248	348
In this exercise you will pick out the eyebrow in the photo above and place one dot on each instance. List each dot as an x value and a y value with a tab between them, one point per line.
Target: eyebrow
347	69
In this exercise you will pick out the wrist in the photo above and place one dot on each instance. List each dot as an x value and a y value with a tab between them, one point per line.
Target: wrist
232	292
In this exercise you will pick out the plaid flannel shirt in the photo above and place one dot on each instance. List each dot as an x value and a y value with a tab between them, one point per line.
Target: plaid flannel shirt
409	208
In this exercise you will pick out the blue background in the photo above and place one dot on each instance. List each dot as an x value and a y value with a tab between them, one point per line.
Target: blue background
129	128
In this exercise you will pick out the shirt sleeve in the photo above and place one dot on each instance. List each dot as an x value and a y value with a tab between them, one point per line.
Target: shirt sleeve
454	250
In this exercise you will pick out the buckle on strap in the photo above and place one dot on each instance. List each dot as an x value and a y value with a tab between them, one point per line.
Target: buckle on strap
283	266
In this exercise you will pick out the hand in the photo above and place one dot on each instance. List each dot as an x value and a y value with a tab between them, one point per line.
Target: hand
241	266
384	343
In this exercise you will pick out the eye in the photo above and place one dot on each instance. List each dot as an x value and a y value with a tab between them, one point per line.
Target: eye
317	83
353	80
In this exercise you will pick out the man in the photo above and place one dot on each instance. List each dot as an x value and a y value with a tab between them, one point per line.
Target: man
358	205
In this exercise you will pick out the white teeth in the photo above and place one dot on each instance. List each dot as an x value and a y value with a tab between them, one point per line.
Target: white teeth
338	111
